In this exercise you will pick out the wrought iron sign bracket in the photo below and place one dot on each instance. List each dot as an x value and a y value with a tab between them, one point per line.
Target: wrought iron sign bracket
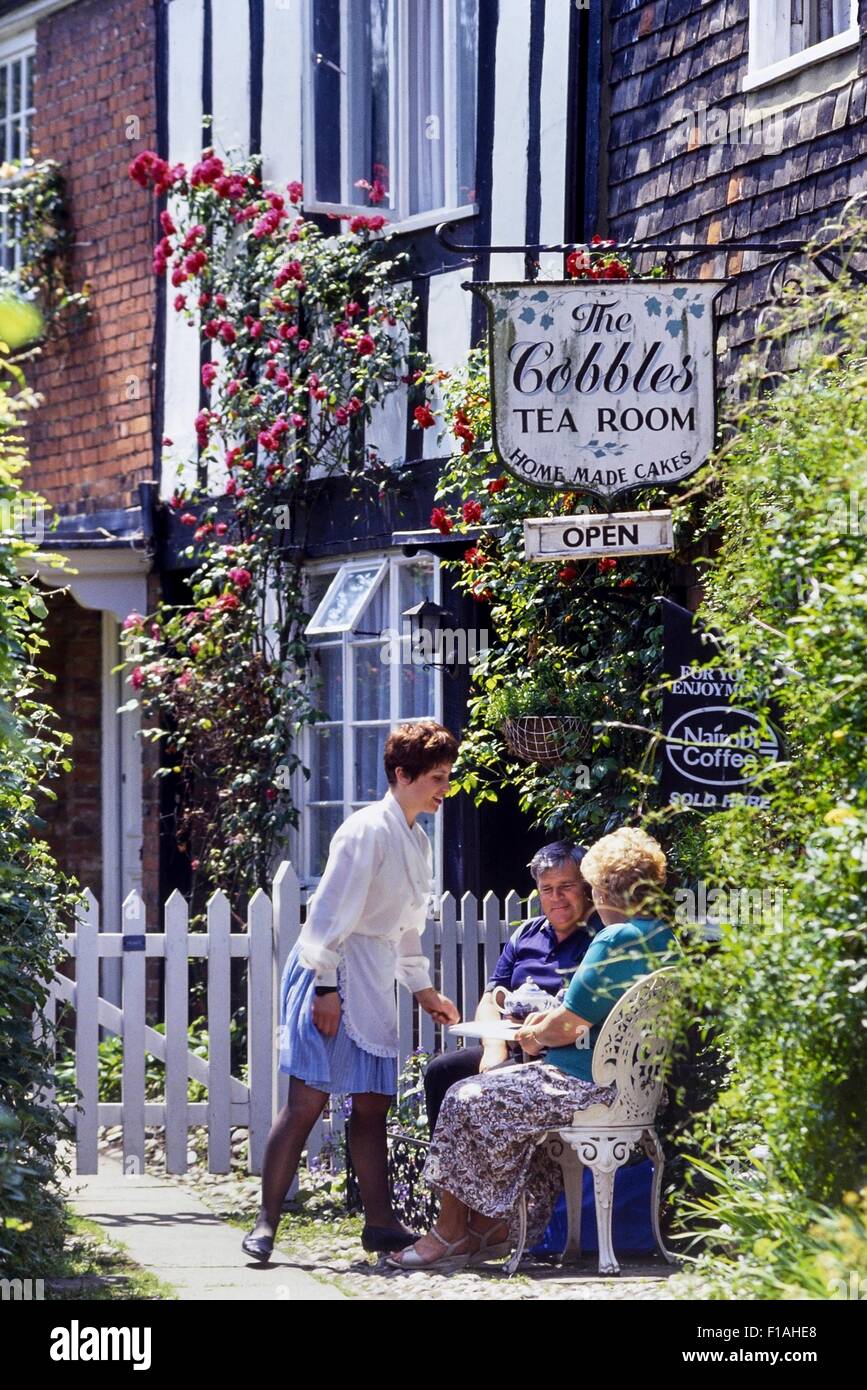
827	260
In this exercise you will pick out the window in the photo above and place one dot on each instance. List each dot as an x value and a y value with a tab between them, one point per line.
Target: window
787	35
16	118
391	106
356	606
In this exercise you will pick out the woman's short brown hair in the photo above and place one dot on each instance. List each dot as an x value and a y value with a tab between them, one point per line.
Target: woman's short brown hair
627	867
417	748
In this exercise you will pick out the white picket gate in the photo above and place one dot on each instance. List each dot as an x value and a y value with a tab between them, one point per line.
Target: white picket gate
463	944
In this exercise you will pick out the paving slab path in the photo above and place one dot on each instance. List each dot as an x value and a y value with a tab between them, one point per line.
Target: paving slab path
168	1230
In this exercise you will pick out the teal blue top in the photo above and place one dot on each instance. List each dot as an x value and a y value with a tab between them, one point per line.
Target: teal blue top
616	957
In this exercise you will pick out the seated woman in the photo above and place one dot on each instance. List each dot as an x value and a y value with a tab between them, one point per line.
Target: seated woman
543	950
484	1151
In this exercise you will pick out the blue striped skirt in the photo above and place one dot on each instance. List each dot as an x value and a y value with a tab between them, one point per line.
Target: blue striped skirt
336	1065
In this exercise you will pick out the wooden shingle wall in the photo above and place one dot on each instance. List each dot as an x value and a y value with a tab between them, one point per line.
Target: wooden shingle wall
676	174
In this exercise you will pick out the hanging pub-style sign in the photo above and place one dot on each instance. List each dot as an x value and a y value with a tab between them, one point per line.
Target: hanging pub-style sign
599	386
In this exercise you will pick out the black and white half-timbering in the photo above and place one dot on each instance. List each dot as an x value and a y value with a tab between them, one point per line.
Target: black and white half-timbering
714	751
602	388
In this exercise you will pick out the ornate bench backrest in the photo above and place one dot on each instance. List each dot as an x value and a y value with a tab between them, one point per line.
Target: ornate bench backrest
631	1051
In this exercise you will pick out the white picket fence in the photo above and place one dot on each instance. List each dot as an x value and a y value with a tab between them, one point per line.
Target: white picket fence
463	942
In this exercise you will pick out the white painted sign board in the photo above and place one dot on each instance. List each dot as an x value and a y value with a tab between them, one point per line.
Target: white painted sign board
602	386
589	535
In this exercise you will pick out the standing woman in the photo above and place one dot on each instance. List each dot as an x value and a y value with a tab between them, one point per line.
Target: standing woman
338	1022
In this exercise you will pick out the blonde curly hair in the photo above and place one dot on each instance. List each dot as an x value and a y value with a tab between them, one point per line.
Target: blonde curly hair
626	867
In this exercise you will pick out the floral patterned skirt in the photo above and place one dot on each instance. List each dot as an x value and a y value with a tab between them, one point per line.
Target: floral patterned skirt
484	1149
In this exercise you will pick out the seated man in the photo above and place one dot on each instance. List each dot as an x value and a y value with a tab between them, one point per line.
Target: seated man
536	951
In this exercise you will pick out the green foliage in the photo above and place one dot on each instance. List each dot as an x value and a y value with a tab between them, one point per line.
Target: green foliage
582	638
544	691
33	897
409	1112
110	1051
787	591
35	199
765	1240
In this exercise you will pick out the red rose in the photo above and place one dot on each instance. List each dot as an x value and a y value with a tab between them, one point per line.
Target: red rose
626	584
605	566
497	485
441	520
296	191
577	264
241	577
180	301
473	556
365	345
189	520
209	374
567	574
424	416
136	680
472	512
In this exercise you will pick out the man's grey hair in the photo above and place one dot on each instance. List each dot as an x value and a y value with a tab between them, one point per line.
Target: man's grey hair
555	856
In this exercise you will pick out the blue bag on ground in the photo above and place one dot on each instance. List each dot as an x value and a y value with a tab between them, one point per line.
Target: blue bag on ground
631	1225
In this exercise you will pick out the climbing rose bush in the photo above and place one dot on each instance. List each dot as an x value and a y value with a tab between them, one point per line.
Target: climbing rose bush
303	333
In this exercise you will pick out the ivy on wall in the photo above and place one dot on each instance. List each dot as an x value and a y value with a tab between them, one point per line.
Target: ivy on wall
39	238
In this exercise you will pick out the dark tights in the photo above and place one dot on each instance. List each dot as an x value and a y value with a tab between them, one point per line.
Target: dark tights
367	1144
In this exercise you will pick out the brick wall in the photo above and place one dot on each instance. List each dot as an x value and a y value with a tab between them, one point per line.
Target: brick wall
668	59
90	444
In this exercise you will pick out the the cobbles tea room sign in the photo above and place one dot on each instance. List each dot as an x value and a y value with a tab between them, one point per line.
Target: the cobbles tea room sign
602	387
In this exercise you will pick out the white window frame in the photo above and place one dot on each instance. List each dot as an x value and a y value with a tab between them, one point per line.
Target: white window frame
301	838
398	218
19	45
770	27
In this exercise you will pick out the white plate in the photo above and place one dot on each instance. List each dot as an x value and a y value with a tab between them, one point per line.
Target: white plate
505	1032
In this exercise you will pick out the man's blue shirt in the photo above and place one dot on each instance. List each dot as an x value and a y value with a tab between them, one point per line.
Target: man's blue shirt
534	951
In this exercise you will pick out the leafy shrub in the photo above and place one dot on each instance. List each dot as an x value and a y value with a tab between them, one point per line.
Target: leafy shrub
787	592
33	897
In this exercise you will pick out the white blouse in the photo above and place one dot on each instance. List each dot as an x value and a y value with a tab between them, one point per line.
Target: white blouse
365	919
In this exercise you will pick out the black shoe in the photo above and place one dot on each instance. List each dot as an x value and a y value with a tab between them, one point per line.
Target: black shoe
258	1247
382	1238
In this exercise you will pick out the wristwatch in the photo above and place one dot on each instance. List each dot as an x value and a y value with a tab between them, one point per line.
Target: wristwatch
324	989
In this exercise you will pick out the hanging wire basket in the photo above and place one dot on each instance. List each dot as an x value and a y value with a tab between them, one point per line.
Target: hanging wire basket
548	739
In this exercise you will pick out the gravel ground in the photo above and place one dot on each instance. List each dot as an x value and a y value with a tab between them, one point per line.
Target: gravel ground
328	1247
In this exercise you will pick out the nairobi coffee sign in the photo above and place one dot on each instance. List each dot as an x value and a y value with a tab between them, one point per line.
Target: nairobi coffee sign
602	388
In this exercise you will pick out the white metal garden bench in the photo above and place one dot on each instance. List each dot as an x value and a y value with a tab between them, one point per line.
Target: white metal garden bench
631	1053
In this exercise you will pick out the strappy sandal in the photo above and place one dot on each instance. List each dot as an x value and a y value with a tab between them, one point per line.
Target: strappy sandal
410	1259
486	1251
